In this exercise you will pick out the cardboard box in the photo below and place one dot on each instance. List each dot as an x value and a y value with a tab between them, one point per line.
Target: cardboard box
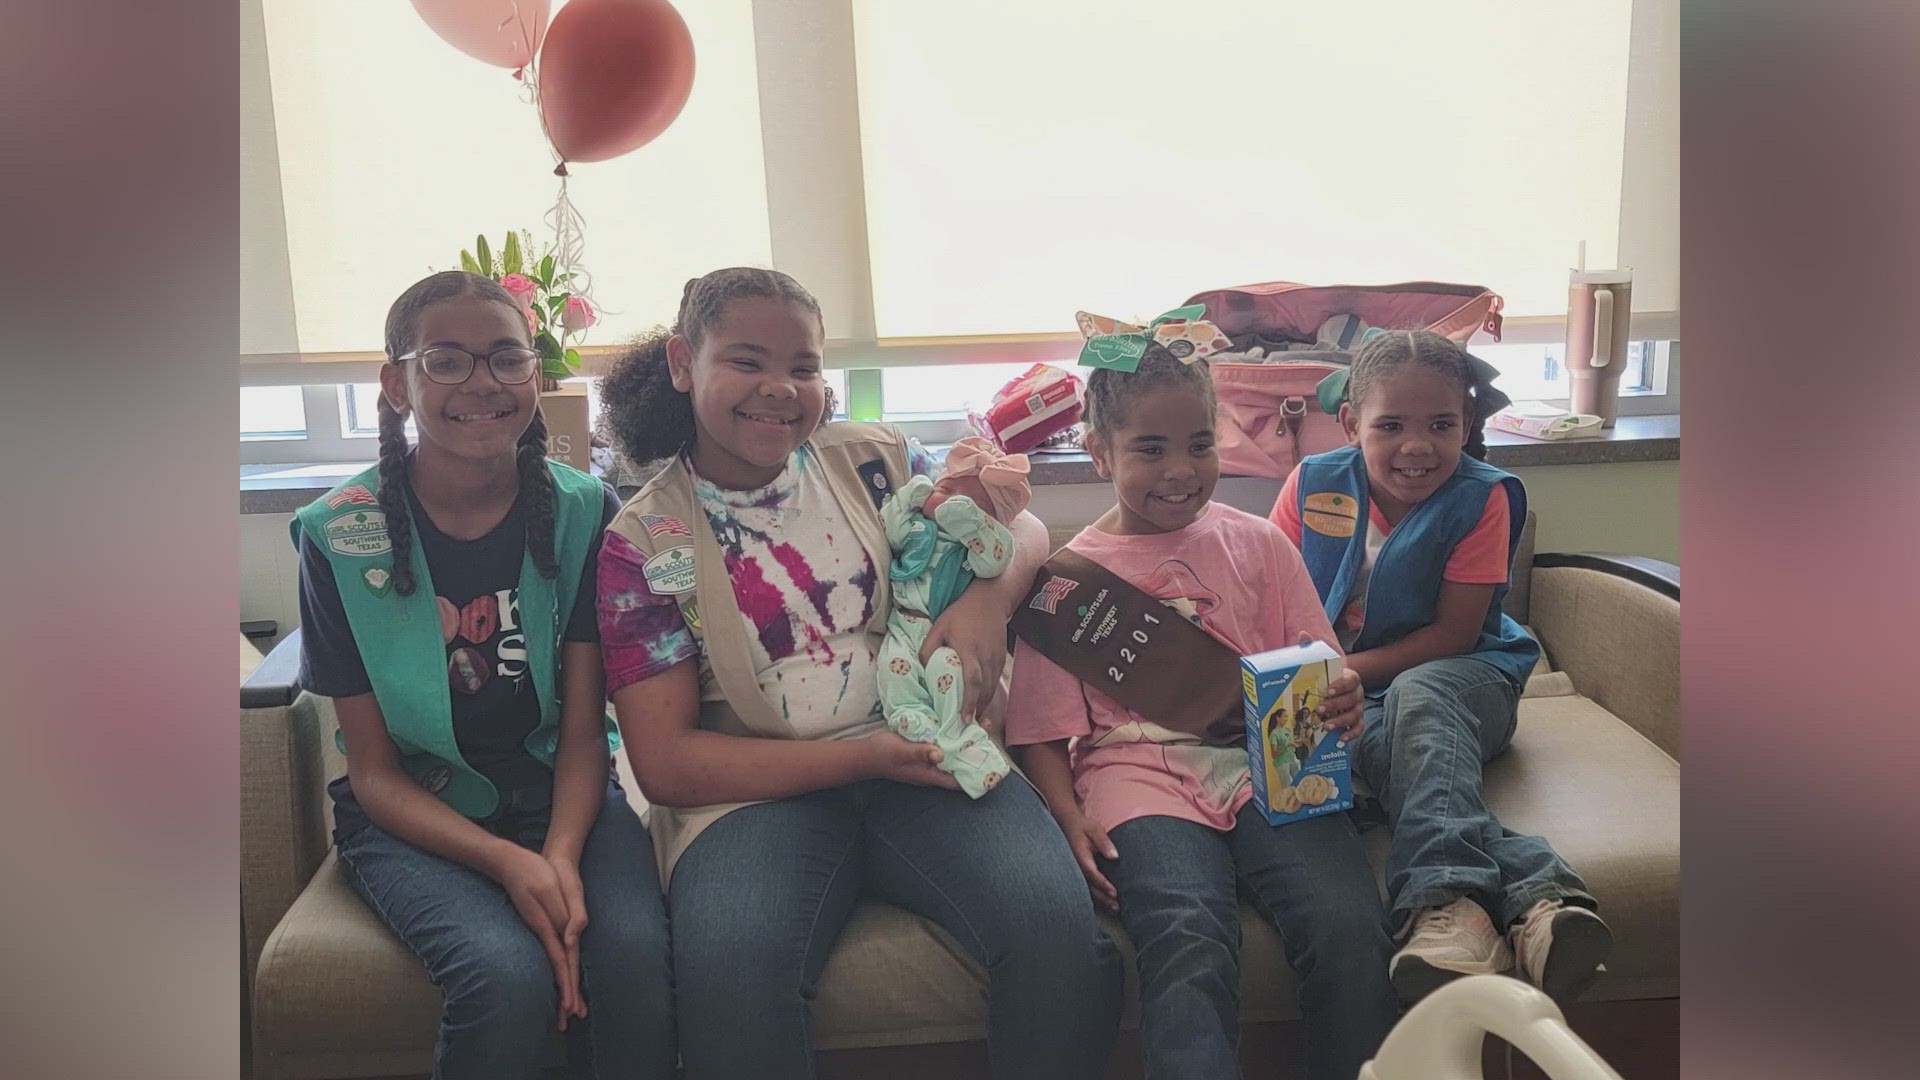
569	428
1300	770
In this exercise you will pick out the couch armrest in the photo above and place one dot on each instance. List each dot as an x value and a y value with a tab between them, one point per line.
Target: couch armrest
283	830
1612	624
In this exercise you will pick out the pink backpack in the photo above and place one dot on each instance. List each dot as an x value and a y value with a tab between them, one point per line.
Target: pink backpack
1270	417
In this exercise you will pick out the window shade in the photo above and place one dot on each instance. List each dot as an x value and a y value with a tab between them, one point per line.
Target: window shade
393	150
1027	158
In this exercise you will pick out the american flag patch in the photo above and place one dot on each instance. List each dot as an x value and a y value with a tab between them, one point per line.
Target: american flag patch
1050	594
661	525
355	494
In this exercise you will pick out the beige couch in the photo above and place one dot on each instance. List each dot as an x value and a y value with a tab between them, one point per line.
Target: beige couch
1594	767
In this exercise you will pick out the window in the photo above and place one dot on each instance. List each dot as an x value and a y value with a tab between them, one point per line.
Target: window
360	412
1538	372
947	391
391	150
950	213
272	413
1115	160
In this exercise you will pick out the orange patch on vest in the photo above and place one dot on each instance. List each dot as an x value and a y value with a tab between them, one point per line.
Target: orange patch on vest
1330	513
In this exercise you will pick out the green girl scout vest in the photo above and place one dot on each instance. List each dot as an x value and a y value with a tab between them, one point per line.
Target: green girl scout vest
399	636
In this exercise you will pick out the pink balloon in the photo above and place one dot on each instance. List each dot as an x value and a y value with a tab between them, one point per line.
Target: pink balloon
613	75
504	33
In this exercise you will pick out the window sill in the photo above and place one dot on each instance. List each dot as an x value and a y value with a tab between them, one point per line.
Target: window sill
282	489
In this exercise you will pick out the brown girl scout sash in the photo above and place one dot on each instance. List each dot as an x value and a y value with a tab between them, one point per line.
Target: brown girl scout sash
1117	639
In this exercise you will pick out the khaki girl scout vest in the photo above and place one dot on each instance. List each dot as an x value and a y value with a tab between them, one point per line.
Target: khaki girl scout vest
863	464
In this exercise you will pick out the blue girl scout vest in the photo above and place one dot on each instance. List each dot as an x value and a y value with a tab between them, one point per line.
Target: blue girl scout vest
1403	593
399	636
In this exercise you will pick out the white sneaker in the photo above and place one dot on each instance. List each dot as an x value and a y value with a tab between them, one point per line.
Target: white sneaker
1443	944
1560	948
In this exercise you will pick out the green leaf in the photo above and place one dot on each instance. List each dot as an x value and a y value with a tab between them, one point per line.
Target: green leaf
547	344
467	263
546	272
510	254
486	255
556	303
573	359
556	370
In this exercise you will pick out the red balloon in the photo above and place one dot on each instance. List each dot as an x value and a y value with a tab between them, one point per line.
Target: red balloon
613	75
504	33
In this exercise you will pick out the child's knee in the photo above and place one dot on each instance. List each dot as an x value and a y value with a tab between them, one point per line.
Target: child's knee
501	975
635	937
1420	680
1348	936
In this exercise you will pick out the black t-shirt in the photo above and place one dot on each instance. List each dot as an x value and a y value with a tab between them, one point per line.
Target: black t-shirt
476	582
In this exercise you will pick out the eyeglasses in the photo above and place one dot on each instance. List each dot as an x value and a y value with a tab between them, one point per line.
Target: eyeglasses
450	366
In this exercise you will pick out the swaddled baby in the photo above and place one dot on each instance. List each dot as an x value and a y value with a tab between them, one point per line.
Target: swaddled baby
944	534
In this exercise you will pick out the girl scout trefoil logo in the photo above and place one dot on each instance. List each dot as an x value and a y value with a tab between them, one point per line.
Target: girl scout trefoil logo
361	533
379	580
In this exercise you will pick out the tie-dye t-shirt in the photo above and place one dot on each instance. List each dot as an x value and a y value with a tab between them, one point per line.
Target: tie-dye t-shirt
803	582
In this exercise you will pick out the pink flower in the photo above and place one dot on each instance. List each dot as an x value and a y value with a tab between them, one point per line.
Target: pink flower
579	314
533	324
520	287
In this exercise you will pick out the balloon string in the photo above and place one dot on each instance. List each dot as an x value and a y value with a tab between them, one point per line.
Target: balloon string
564	220
569	240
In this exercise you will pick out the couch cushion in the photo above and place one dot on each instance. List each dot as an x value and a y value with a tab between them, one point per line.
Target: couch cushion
1609	800
338	994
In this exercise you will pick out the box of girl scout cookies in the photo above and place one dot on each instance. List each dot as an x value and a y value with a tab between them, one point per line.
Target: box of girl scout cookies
1300	770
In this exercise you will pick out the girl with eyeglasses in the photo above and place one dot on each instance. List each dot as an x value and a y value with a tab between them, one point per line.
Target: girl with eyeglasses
447	606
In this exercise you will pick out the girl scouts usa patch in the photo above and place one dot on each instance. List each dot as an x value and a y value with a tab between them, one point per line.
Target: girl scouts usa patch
670	572
361	533
1330	513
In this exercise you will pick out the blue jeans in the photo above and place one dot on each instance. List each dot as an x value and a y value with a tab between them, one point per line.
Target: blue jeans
1421	753
498	998
759	897
1309	879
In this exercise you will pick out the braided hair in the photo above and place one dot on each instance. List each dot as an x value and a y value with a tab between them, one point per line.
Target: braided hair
1437	353
639	406
1111	392
530	459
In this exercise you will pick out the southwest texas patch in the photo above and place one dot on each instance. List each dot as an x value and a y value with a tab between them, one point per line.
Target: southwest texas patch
1330	513
361	533
670	572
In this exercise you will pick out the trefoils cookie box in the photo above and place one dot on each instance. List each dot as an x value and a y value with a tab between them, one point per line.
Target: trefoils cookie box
1300	770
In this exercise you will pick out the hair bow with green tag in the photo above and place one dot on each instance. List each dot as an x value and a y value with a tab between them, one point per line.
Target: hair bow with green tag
1120	346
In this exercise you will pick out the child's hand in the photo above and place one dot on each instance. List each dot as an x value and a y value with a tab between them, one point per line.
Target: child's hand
1089	840
539	895
975	628
908	762
1345	707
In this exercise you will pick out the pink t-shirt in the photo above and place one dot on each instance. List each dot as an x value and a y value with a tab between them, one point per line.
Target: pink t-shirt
1480	558
1237	577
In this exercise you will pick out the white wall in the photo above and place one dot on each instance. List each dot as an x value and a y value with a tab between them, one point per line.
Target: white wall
1630	509
269	571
